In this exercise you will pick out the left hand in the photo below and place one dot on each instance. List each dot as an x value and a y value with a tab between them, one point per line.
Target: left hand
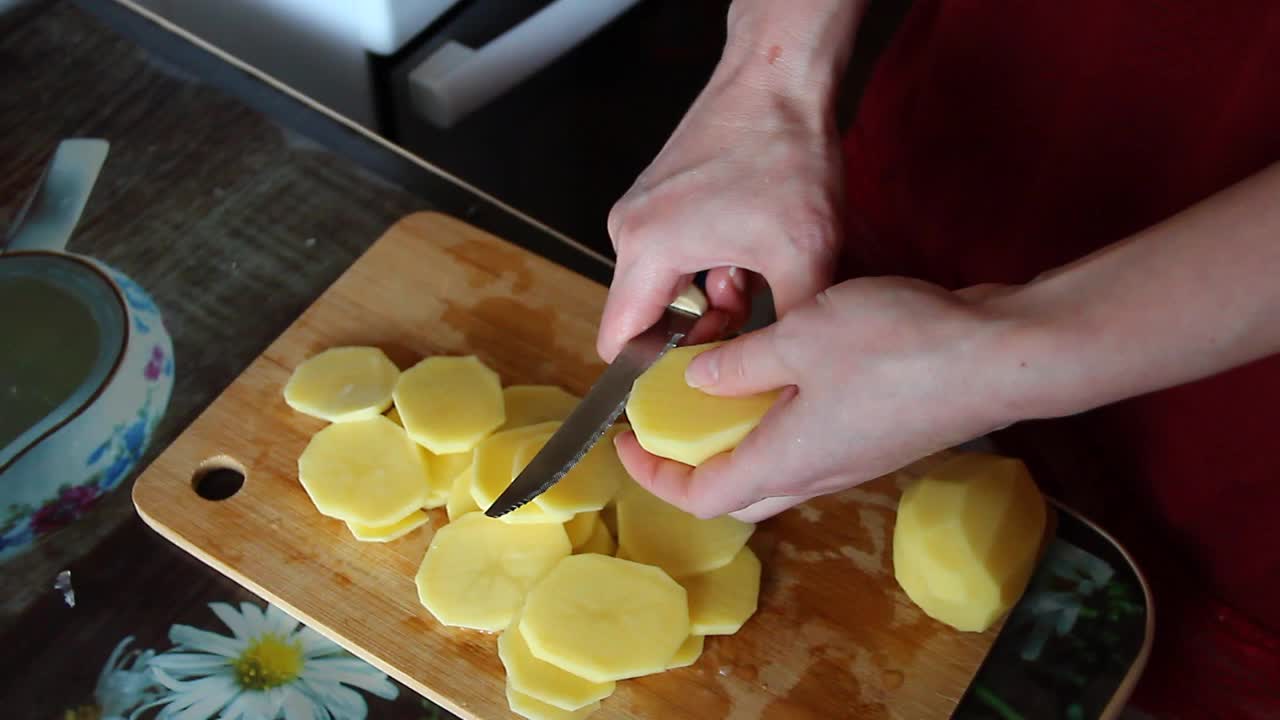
878	372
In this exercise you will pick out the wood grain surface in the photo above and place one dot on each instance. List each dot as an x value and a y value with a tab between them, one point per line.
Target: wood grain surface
834	636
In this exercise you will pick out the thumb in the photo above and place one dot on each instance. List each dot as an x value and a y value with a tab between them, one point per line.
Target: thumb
743	366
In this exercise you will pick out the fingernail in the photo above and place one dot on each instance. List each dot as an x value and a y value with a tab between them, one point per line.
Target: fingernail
704	370
738	278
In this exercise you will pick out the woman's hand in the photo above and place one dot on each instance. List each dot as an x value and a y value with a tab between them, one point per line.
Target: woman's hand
878	372
749	181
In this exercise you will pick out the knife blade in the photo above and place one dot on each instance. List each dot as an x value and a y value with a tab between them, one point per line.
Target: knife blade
602	404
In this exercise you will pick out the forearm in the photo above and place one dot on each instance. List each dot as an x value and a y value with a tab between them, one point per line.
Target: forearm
797	49
1190	297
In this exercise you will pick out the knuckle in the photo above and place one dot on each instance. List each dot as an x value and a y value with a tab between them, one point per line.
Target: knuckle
811	230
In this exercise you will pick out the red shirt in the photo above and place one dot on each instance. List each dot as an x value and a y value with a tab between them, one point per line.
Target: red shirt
999	139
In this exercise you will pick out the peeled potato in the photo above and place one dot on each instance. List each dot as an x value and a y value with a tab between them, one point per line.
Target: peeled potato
580	527
605	619
444	470
658	533
592	482
478	570
688	654
534	709
722	600
967	537
495	468
387	533
449	404
610	512
366	472
543	681
599	542
675	421
343	384
536	404
460	502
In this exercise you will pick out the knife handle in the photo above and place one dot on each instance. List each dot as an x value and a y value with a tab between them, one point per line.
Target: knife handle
691	300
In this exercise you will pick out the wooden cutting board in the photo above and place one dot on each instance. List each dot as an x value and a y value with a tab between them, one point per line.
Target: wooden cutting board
834	635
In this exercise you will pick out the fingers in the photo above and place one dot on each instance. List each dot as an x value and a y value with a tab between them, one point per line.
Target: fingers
731	481
769	507
637	298
680	484
743	366
728	290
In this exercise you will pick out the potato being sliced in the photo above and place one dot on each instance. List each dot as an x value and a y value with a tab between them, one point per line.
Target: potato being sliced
495	468
658	533
460	502
343	384
688	654
722	600
444	470
591	484
543	681
675	421
387	533
534	709
449	404
599	542
365	471
605	619
478	570
536	404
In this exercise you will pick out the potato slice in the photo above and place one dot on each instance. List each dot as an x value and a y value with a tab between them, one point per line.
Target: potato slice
478	570
658	533
536	404
605	619
592	482
534	709
688	654
610	512
365	471
495	468
722	600
343	384
387	533
460	501
580	527
675	421
445	469
449	404
967	537
543	681
599	542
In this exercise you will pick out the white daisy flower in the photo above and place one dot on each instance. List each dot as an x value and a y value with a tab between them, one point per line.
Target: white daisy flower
270	667
125	682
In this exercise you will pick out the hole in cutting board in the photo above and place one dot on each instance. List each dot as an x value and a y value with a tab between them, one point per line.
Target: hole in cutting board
218	478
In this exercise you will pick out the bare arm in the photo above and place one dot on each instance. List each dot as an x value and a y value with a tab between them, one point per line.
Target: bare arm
1187	298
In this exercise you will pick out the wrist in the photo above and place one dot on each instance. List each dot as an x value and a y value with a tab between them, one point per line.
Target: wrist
794	50
1038	359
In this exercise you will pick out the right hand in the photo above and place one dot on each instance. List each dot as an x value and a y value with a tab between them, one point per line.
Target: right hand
749	181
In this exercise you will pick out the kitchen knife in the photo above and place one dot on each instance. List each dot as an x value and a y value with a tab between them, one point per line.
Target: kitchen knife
603	403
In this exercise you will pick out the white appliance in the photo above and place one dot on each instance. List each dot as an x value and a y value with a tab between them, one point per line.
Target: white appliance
323	48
